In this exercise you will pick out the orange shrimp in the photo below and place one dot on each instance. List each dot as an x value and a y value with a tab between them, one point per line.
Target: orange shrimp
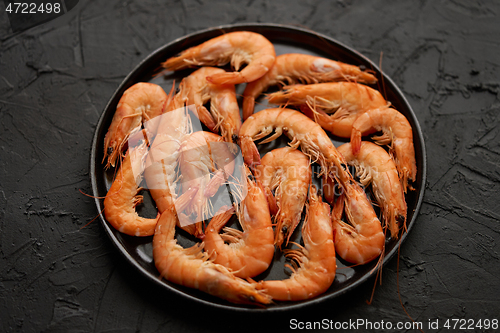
143	101
238	48
250	252
375	166
363	239
315	262
122	197
333	105
198	156
191	267
224	115
292	68
161	162
288	172
304	132
396	132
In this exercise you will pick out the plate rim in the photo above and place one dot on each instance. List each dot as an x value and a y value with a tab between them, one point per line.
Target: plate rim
235	307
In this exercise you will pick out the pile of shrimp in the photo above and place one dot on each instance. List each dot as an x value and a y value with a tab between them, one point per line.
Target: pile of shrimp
151	145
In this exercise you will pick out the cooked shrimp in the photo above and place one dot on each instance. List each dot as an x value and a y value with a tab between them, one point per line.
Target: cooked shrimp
363	239
161	161
250	251
333	105
191	268
304	132
238	48
224	115
375	166
315	263
123	196
396	132
197	161
292	68
286	171
143	101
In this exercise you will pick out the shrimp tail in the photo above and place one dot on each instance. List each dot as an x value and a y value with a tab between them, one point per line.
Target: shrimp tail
306	109
328	189
181	203
338	208
337	211
248	106
390	217
178	62
271	200
250	152
206	118
355	141
220	220
214	184
226	78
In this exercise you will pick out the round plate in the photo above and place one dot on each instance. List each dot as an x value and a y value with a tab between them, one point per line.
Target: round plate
287	39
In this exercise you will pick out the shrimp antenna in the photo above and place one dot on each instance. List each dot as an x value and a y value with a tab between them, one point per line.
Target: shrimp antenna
90	196
377	267
95	218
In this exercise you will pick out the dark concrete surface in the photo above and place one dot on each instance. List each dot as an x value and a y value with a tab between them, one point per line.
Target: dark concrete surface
58	274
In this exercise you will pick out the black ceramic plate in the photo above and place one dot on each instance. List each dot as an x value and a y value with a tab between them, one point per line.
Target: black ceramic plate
138	251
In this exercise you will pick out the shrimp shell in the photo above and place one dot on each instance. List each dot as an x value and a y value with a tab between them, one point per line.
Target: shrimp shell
122	197
142	101
303	132
316	264
192	268
224	115
333	105
238	48
250	252
161	161
288	171
375	166
292	68
196	164
363	239
397	133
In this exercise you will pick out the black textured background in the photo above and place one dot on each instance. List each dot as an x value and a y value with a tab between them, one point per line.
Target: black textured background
56	78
